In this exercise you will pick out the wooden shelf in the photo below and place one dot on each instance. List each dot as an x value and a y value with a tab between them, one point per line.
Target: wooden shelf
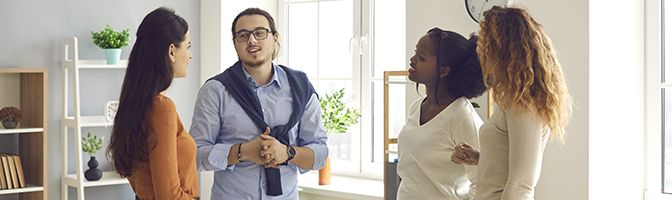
22	70
21	130
28	188
109	178
32	134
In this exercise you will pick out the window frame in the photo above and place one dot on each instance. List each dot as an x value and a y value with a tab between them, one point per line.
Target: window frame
655	62
362	87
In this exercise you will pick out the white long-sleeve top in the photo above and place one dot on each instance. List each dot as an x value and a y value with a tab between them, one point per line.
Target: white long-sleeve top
425	167
512	148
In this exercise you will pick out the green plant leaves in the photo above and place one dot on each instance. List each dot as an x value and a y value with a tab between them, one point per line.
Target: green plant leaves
335	116
91	145
110	39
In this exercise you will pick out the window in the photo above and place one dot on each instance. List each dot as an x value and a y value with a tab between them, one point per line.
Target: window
348	44
665	87
658	101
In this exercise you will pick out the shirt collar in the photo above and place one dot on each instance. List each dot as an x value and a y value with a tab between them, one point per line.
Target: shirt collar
275	79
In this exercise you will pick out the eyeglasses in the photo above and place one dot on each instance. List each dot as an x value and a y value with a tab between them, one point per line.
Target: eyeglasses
244	35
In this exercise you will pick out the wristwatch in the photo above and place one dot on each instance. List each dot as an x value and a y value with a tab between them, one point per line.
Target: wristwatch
291	152
239	158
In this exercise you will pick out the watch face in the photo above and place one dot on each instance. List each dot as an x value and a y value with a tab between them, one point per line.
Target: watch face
475	8
291	151
111	110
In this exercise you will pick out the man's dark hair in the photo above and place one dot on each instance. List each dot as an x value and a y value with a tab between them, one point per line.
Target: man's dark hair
254	11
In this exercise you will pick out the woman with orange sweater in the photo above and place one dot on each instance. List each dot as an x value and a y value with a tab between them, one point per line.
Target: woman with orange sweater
149	145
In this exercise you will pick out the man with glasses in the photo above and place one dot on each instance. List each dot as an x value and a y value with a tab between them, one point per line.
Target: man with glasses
258	124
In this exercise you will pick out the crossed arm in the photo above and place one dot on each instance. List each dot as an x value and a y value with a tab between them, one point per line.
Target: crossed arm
213	154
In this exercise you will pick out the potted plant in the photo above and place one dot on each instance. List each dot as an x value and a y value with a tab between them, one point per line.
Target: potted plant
337	119
10	117
91	145
111	41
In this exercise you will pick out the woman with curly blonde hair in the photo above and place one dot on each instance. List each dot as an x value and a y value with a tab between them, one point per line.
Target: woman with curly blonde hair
522	69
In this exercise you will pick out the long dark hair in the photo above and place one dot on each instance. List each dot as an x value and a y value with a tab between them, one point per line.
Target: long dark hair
459	54
149	72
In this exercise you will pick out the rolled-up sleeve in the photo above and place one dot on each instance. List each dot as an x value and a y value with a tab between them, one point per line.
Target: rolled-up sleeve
312	133
205	127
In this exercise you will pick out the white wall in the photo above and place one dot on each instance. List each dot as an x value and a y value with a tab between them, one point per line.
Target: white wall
616	99
565	167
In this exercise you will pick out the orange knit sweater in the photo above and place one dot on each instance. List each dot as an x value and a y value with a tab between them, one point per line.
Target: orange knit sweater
170	172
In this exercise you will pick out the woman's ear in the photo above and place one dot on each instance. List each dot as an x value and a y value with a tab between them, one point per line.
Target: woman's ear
171	53
444	71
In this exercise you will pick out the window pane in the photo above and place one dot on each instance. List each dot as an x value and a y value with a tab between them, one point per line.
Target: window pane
340	144
389	34
667	36
667	134
335	29
302	37
397	109
666	100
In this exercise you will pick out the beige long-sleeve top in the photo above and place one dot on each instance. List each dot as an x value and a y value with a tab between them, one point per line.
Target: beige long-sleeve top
425	166
512	148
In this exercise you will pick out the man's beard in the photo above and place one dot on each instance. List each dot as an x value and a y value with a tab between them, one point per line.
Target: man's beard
256	63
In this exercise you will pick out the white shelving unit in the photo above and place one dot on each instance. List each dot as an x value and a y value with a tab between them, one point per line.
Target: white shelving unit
71	70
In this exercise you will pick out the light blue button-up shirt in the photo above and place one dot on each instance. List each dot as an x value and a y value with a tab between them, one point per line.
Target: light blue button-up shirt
219	122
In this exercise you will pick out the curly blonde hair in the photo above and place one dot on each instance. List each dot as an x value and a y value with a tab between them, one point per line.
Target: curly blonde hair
520	65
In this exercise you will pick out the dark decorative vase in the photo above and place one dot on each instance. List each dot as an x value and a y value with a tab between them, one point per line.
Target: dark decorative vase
9	124
93	173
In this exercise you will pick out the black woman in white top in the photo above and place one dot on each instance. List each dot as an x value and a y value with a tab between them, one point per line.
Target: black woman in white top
447	65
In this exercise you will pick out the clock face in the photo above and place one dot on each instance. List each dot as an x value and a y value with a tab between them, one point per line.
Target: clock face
475	8
111	110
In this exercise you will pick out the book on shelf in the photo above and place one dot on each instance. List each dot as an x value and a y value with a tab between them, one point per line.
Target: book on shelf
19	171
12	170
3	180
5	169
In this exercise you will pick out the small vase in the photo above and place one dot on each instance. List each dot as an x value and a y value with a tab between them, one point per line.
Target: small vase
93	173
325	173
9	124
112	56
